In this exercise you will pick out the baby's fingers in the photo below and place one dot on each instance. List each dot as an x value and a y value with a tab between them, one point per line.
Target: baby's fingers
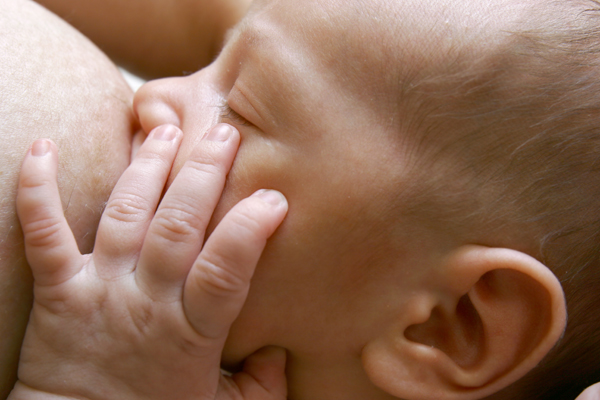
263	377
591	393
50	246
177	231
217	285
133	202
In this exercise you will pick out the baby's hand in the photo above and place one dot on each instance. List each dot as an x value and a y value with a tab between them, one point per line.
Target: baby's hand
146	315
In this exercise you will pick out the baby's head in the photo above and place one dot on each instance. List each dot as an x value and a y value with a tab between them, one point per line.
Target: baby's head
439	159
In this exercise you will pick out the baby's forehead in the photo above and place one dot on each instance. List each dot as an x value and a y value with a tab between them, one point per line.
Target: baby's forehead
376	44
369	52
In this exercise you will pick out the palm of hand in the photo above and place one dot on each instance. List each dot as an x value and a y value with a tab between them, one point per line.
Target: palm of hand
154	350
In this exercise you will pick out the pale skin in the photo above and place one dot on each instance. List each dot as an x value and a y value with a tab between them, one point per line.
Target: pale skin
317	369
147	313
591	393
55	83
362	271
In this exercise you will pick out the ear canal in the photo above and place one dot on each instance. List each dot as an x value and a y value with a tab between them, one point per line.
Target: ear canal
496	316
458	333
491	330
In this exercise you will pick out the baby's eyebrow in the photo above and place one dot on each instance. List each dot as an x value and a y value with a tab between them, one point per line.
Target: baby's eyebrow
237	29
247	32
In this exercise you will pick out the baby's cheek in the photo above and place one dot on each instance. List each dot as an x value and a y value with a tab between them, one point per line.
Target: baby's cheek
256	166
261	164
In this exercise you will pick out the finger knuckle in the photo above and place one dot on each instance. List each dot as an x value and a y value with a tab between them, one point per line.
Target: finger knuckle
127	207
205	165
149	159
33	181
42	232
220	282
177	224
246	221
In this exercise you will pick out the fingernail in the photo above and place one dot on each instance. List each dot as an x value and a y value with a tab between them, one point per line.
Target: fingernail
220	133
165	132
272	197
40	147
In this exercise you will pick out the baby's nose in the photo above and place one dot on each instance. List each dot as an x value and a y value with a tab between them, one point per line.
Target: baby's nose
157	103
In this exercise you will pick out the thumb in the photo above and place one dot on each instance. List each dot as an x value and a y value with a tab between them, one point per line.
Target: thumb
263	376
591	393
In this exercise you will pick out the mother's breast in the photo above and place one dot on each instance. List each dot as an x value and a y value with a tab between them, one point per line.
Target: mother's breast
54	83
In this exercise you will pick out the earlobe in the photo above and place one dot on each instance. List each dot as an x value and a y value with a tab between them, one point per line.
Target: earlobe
492	315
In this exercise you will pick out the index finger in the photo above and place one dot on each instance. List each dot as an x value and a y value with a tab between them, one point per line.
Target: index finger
176	233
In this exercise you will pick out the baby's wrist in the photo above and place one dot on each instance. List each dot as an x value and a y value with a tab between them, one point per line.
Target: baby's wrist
24	392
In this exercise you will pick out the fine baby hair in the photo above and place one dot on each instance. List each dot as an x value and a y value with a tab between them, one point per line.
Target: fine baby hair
518	132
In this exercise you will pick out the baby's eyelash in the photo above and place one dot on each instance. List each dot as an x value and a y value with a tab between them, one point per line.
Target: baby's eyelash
227	113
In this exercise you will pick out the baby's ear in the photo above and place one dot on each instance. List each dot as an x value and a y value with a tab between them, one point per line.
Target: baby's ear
488	317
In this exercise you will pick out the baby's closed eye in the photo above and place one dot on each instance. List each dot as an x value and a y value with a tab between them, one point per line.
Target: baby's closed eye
227	113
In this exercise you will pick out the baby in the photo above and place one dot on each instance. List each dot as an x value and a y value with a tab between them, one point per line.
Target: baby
439	159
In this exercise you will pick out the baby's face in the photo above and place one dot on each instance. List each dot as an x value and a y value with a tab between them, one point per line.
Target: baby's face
308	88
309	130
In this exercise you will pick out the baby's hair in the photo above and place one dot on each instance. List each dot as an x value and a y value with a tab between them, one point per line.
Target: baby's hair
517	125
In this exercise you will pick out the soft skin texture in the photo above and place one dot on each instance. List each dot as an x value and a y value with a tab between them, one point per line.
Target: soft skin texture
591	393
296	109
349	271
337	153
54	83
144	316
